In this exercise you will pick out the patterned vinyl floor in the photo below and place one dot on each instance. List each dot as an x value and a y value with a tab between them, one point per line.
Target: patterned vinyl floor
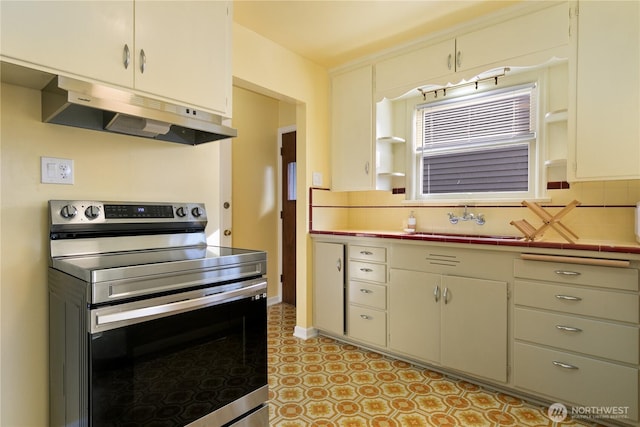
323	382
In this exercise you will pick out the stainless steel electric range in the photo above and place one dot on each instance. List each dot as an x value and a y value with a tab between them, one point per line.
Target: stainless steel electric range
150	326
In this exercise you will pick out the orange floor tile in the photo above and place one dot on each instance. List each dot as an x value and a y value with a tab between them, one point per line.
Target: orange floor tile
323	382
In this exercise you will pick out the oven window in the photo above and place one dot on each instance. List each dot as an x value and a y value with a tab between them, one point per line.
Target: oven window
175	370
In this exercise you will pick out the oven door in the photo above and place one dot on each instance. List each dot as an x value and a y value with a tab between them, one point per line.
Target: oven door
196	357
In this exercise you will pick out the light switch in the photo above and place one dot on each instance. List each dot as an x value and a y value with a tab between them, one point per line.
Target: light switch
56	171
317	179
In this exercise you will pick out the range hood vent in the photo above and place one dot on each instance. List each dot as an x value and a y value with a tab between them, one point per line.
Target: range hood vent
72	102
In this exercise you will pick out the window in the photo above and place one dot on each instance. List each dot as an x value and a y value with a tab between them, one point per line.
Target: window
477	146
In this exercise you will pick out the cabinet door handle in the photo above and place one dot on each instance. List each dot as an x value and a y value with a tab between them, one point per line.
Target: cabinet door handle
436	293
365	317
126	56
366	253
366	270
445	295
143	61
366	291
564	365
568	328
449	58
339	264
568	298
366	168
567	273
459	59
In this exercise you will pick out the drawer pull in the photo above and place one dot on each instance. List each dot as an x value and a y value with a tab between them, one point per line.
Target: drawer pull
567	273
436	293
366	291
564	365
365	317
366	270
366	253
568	328
568	298
339	264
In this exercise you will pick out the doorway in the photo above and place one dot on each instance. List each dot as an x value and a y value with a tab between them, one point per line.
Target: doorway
288	216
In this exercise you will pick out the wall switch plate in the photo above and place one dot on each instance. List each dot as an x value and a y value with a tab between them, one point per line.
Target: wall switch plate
56	171
317	179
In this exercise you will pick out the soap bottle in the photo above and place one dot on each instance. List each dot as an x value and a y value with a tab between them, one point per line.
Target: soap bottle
411	223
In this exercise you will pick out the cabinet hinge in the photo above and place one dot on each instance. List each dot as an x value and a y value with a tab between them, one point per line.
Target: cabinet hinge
508	294
508	372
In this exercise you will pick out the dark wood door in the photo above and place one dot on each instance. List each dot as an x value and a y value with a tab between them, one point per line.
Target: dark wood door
289	218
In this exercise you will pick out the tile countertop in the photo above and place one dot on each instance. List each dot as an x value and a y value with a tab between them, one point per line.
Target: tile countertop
511	241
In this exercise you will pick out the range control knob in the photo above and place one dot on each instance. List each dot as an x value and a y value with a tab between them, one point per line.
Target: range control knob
68	211
181	212
197	212
92	212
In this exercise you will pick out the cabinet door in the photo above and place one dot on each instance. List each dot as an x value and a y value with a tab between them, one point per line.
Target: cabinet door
414	314
328	287
474	326
85	38
187	45
395	76
605	106
506	43
352	143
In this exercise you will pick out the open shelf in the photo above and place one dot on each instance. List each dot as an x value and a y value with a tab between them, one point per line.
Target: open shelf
391	139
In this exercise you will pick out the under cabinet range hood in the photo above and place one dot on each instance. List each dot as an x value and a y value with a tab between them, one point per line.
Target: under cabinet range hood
77	103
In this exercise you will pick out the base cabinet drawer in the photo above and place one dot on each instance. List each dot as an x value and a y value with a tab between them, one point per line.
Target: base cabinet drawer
591	275
368	271
575	379
368	253
367	325
368	294
592	337
622	306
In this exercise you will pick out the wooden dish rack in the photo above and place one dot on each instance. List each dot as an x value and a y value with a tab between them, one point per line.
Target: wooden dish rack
548	221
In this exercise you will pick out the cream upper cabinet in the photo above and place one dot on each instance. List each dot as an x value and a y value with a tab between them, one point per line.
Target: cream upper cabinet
604	109
183	52
352	142
85	38
531	39
178	50
515	42
396	75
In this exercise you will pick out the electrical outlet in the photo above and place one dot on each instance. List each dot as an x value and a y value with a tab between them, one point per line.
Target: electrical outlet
56	171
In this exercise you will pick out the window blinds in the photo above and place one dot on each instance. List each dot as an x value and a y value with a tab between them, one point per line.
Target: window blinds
477	144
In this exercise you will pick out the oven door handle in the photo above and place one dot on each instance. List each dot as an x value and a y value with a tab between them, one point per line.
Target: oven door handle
113	319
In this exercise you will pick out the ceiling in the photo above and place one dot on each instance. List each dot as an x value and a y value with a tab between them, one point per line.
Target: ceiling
333	32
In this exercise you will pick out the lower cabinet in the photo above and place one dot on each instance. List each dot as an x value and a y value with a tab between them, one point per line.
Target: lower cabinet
328	287
457	322
367	294
569	334
576	333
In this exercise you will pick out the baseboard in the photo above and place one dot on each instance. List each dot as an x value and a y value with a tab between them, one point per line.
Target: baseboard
305	333
274	300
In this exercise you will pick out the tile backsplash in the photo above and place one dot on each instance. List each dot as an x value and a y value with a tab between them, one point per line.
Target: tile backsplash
606	213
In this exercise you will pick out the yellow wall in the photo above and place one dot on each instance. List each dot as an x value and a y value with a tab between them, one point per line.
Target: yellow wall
255	178
266	67
107	167
118	167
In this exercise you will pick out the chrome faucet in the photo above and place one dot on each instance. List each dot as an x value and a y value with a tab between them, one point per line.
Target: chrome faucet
466	216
